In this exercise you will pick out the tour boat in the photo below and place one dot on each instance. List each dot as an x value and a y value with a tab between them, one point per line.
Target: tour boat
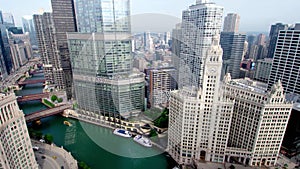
122	132
142	140
67	123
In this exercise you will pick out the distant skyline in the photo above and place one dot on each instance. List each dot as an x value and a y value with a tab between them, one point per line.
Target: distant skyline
257	16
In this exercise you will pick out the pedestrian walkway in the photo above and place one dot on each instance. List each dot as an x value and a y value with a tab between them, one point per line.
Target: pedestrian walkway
52	157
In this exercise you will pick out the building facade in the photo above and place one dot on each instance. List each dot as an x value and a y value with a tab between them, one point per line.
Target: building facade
231	23
199	24
101	58
262	70
28	26
46	37
15	143
286	62
160	82
20	49
233	52
258	123
273	37
199	119
64	21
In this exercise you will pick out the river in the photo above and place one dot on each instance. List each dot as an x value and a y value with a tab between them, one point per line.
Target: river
94	145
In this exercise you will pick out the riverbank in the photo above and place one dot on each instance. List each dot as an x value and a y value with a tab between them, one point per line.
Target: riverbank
98	123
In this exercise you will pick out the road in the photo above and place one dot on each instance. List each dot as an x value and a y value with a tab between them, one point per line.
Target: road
53	157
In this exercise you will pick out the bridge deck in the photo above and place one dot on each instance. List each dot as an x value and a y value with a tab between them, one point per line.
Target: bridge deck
46	113
32	97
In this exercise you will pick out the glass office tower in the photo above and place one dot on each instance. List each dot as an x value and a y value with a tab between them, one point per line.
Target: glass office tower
101	58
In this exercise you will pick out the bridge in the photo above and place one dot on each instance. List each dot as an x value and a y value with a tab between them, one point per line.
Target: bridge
32	97
36	72
25	82
46	113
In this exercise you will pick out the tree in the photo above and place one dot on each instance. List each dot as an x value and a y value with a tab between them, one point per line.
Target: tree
152	133
59	100
48	138
53	98
83	165
232	167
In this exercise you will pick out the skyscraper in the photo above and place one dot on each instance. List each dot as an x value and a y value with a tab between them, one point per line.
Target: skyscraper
101	58
28	26
8	20
199	24
20	48
48	49
258	123
231	23
15	144
233	51
286	61
64	21
160	82
273	37
199	118
262	69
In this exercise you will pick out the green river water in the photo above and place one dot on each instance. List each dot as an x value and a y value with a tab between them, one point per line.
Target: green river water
94	145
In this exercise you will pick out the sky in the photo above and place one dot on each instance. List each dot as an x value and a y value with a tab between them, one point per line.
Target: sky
256	15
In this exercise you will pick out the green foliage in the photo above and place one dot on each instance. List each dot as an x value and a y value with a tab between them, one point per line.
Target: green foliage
75	105
83	165
54	98
153	133
48	103
232	167
59	100
48	138
163	120
35	134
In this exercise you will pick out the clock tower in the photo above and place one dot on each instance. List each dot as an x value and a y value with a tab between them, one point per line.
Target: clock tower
212	70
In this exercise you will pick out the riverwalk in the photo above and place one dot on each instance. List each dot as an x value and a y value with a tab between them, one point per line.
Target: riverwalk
53	157
99	123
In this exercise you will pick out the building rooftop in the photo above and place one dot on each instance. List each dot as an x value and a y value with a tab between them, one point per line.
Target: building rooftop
250	85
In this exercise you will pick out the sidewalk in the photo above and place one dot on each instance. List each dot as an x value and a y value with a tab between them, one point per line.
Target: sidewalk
52	157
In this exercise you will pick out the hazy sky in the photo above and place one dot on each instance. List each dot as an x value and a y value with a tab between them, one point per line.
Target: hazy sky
256	15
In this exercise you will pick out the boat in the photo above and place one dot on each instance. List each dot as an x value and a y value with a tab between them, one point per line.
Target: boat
122	132
142	140
67	123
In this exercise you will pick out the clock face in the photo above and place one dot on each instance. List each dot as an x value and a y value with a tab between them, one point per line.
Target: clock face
212	70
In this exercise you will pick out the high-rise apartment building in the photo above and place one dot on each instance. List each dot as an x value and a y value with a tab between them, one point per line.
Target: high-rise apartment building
101	57
258	123
233	51
273	37
15	144
286	61
46	37
231	23
28	26
64	21
200	23
263	69
199	119
160	82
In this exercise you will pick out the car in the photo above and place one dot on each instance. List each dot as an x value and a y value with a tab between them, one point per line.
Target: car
42	140
35	148
43	157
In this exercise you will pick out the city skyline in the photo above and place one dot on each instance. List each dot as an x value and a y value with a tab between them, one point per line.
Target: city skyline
268	14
